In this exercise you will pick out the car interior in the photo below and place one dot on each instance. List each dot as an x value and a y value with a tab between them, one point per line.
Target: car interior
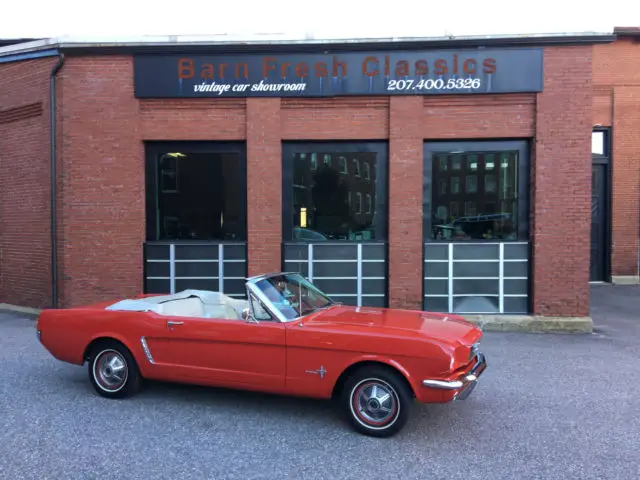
229	308
188	303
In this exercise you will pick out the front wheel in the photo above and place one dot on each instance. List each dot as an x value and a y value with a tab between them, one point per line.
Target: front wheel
376	401
113	370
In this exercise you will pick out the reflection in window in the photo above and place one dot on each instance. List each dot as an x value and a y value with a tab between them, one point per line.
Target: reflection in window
486	205
340	202
455	185
472	184
343	165
196	196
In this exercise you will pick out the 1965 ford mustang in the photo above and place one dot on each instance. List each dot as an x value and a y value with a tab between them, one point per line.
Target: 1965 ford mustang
287	337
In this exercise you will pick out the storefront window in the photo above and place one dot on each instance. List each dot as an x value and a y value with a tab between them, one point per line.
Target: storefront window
339	199
484	201
194	194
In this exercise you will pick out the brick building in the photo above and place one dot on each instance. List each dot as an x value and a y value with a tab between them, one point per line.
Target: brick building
616	159
440	174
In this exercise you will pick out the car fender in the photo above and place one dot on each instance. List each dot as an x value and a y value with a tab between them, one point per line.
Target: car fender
114	336
393	363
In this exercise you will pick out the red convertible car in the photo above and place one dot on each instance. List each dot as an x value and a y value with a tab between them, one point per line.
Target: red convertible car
287	337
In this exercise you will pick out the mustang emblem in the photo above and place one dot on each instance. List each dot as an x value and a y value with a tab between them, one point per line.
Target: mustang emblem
320	372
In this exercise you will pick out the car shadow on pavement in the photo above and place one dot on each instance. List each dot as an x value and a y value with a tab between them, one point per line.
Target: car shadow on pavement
314	412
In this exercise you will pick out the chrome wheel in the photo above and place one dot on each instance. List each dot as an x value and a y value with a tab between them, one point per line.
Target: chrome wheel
110	370
374	403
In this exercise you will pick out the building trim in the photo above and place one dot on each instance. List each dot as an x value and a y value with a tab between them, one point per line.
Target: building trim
28	55
278	43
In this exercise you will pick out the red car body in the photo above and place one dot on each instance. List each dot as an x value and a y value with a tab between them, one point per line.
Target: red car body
431	356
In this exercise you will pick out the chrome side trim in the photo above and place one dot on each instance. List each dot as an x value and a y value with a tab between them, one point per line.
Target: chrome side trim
147	352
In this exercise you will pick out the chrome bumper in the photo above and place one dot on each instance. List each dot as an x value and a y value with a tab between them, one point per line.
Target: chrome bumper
465	383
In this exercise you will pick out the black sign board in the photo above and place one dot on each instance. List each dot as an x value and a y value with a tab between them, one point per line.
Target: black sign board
326	75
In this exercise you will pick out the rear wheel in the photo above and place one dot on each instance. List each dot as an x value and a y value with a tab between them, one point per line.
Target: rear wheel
376	401
113	371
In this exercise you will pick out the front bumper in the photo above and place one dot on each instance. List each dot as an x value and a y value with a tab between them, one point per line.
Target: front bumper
464	384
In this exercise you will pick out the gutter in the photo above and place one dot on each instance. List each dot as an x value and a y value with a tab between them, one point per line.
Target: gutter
53	215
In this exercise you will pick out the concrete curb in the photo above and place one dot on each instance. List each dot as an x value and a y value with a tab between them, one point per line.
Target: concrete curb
18	309
532	323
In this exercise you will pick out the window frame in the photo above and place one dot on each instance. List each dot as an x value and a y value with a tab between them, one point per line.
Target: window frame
381	205
524	180
152	151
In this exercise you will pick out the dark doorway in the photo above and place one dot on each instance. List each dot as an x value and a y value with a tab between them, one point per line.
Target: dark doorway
599	266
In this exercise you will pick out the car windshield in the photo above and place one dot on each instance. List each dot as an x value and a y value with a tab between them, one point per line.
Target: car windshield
293	295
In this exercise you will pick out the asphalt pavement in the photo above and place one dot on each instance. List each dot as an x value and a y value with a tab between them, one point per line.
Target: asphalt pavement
550	406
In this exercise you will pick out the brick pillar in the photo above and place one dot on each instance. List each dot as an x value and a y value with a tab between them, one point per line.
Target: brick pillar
561	185
405	202
626	182
101	182
264	185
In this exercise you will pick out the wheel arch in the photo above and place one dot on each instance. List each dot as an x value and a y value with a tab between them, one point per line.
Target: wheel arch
104	339
390	365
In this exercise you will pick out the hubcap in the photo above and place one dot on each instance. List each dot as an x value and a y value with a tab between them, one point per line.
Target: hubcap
110	370
375	403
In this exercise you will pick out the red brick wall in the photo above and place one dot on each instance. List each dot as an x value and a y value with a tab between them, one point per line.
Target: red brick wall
102	129
625	222
101	178
25	234
485	116
562	185
204	119
405	202
264	185
345	118
616	104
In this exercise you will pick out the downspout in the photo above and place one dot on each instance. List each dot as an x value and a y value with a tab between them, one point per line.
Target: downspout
53	215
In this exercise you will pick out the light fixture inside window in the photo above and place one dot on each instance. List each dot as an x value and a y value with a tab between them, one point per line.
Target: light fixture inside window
303	217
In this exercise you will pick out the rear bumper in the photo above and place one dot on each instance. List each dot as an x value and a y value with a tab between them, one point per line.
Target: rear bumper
464	384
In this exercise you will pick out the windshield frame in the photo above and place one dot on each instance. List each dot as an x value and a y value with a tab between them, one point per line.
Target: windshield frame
254	287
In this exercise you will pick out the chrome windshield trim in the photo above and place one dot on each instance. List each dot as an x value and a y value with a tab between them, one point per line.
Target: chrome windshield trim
273	310
252	287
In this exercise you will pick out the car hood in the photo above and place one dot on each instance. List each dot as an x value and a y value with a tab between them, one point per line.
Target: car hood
438	326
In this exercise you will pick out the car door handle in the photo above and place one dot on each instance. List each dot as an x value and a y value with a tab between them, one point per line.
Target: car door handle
171	323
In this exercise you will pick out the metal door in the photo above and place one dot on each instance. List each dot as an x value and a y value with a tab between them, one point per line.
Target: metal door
598	222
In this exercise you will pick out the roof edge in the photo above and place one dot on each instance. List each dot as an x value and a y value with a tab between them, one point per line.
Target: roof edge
158	43
627	31
32	55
